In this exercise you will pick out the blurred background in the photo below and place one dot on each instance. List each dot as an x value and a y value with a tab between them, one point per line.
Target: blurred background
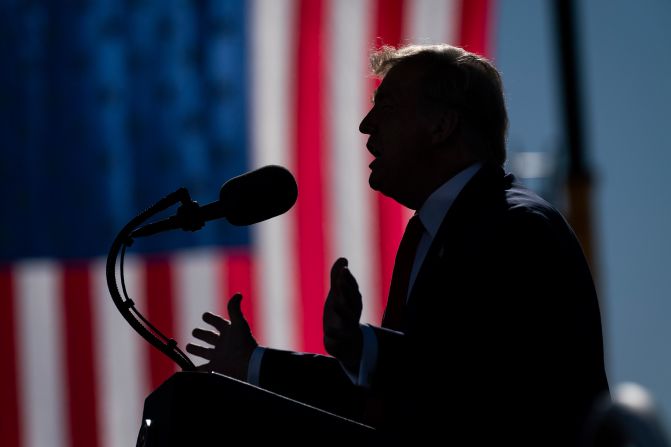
107	106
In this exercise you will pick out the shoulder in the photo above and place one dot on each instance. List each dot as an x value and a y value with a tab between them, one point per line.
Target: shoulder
495	213
525	209
494	196
533	231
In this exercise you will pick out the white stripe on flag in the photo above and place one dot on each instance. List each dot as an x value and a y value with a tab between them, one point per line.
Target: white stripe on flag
197	286
40	341
432	21
272	96
350	196
122	366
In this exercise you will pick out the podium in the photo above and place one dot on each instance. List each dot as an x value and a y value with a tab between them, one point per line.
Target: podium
209	409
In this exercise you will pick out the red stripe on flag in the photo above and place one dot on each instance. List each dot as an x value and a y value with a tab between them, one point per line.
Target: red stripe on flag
160	312
389	22
239	274
310	150
80	364
390	215
475	27
10	431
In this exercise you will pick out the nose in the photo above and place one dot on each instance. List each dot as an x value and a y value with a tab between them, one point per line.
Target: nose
366	125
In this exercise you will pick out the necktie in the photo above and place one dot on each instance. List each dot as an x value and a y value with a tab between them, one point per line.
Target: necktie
400	278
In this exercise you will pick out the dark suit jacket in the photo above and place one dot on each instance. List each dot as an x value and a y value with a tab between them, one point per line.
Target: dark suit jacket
502	340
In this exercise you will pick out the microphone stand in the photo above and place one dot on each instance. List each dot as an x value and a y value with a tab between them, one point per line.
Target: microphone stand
187	408
124	304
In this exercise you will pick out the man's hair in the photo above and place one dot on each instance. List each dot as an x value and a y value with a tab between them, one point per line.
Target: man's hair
453	78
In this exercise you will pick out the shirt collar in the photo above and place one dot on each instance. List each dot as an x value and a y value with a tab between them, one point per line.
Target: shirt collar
436	206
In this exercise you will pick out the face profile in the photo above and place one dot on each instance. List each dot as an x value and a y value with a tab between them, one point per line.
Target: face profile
399	137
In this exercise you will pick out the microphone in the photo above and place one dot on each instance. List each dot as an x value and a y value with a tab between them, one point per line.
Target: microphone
243	200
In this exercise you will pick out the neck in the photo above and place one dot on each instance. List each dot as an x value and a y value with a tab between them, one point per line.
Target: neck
438	177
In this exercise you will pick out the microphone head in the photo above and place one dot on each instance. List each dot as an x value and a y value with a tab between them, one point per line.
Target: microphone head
258	195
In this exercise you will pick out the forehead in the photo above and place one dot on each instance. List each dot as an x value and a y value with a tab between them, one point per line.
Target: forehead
401	80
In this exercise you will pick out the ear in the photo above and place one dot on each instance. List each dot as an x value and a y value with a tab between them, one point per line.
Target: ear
445	126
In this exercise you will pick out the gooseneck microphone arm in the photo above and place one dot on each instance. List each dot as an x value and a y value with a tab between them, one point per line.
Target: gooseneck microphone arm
124	304
190	216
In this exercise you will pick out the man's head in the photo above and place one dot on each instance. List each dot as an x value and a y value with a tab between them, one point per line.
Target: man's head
438	109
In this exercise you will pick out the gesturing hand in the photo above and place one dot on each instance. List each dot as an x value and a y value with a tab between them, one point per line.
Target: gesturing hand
342	312
233	345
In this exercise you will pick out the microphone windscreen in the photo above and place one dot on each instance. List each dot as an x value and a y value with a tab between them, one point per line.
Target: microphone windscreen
258	195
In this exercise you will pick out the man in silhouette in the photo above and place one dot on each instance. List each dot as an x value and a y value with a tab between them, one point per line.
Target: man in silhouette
492	330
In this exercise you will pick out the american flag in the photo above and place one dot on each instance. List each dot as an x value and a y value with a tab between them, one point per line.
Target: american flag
107	106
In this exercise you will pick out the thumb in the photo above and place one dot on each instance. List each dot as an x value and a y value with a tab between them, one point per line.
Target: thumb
234	310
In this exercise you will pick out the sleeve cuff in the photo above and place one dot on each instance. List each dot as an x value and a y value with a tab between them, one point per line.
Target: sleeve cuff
254	368
368	358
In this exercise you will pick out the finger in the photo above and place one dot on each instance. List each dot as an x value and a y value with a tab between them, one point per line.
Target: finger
234	310
346	287
349	282
206	353
216	321
338	266
206	336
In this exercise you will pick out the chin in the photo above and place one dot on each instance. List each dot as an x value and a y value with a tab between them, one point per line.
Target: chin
371	179
375	184
393	193
380	187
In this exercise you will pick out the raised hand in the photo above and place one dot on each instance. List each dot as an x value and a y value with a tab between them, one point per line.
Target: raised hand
342	312
232	343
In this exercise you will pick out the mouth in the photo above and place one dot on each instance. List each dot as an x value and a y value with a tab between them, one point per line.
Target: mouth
372	150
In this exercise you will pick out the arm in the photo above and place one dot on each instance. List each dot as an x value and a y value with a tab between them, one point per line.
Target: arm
543	326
